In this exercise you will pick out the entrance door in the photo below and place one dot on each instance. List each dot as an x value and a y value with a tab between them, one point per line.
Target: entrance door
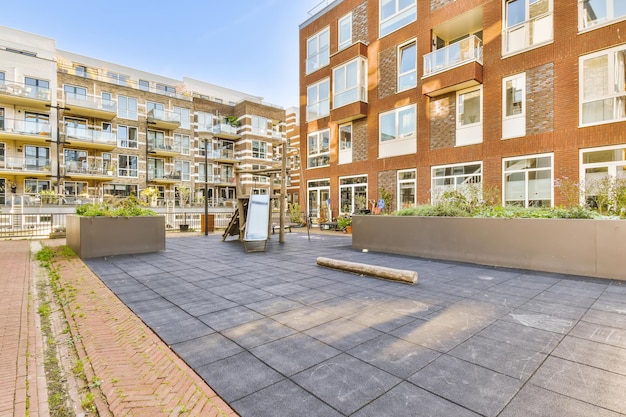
318	202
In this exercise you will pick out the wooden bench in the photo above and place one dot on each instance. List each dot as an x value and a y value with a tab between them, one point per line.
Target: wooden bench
277	226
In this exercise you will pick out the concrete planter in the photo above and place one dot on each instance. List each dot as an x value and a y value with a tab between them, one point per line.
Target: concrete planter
592	248
92	237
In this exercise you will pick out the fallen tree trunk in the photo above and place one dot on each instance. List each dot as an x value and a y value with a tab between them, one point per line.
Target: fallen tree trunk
401	275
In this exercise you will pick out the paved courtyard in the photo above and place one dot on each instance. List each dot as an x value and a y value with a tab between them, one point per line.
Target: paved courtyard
276	335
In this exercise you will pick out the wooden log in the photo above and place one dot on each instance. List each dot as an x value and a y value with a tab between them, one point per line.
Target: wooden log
401	275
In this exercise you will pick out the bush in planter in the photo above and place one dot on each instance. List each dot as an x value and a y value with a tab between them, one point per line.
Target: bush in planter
128	207
343	222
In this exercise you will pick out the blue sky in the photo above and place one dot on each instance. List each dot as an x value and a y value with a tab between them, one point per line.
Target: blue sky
246	45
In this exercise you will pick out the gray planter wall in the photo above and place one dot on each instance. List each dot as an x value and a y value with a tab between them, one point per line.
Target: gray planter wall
92	237
592	248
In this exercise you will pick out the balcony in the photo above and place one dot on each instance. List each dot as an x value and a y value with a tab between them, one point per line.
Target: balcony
349	112
36	167
90	138
165	147
452	56
224	180
90	106
25	130
456	79
90	168
225	131
224	155
160	177
24	95
163	119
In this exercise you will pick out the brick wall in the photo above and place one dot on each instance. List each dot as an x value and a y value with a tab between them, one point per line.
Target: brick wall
540	99
443	121
359	141
387	80
359	23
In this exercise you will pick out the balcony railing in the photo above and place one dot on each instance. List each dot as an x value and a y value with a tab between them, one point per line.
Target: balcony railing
89	166
163	175
16	89
91	135
459	53
90	102
224	128
25	127
165	116
164	145
25	164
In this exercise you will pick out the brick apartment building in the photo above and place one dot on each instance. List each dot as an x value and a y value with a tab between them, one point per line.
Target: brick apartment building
419	97
83	129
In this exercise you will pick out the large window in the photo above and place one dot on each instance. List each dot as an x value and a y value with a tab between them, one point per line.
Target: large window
317	51
598	12
182	141
528	181
127	137
469	117
127	108
184	116
395	14
319	149
259	125
514	106
345	143
184	167
37	158
397	132
36	123
127	166
259	149
528	23
407	184
318	100
119	190
353	192
33	186
75	93
319	199
350	83
345	31
603	86
465	178
601	168
205	122
407	66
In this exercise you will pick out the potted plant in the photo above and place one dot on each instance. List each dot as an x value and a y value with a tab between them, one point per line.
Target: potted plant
344	223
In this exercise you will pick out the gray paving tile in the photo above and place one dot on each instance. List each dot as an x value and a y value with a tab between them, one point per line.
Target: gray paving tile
568	299
274	305
181	331
539	402
345	382
481	390
591	385
408	400
211	305
431	334
380	318
501	357
163	316
409	307
258	332
231	317
540	321
555	309
293	354
342	334
310	296
206	349
224	376
304	317
283	399
614	319
505	300
525	337
600	333
396	356
613	303
597	355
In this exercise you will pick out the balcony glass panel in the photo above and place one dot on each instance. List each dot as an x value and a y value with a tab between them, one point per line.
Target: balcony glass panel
459	53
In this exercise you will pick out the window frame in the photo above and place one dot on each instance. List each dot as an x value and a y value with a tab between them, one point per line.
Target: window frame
407	74
322	105
124	108
396	112
508	29
126	141
129	164
396	20
345	44
584	25
526	171
401	181
454	177
313	61
360	86
320	154
261	149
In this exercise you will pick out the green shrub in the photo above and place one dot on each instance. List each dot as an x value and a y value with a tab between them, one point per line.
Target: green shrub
128	207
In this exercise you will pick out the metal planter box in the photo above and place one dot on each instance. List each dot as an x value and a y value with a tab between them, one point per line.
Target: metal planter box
91	237
580	247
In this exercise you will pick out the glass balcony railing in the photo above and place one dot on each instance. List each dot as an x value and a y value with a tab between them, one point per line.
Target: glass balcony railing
23	90
224	128
92	135
459	53
165	116
25	127
90	102
90	166
164	145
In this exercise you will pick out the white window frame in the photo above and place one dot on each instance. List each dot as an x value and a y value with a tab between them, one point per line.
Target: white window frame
127	141
613	166
259	149
514	115
259	125
398	19
526	28
457	176
318	105
347	89
184	115
345	146
132	172
318	53
402	181
611	100
130	111
184	167
402	142
184	141
318	148
527	170
347	34
353	184
411	73
469	133
584	23
205	121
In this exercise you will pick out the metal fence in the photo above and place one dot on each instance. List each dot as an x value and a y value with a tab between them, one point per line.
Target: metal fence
42	225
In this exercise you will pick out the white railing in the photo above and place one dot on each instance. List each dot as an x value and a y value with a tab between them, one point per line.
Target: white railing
90	102
459	53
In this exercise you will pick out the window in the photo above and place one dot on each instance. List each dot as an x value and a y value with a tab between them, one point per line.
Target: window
345	31
166	89
317	51
32	186
73	92
2	77
597	12
35	82
144	85
119	79
468	108
528	181
205	122
36	123
603	86
345	144
3	152
127	107
184	117
127	166
184	167
80	71
75	161
184	142
466	178
74	188
407	66
514	106
37	158
398	124
76	128
107	101
259	125
319	149
601	170
119	190
350	83
127	137
353	194
259	179
395	14
407	184
318	100
319	198
259	149
528	23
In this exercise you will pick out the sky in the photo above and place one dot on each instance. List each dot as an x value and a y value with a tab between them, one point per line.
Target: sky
246	45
